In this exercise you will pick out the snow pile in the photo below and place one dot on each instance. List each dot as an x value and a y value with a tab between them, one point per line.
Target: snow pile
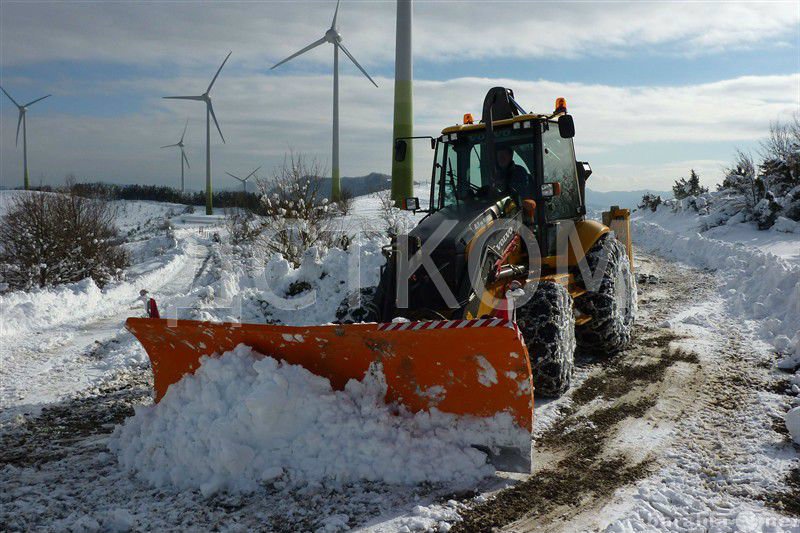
793	424
36	310
243	419
757	285
277	292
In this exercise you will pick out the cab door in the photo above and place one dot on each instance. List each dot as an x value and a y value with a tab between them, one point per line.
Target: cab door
558	162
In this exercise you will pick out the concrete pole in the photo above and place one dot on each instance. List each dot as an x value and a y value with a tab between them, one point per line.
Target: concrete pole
26	180
403	171
209	206
335	184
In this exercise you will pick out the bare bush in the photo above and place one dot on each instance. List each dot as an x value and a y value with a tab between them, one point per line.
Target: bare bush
395	220
52	238
243	226
296	211
346	201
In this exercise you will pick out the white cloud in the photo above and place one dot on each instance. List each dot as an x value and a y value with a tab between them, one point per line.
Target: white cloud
263	116
186	34
658	176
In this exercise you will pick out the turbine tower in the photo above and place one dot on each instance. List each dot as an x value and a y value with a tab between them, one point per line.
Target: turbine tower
205	97
402	171
180	145
244	180
23	111
335	38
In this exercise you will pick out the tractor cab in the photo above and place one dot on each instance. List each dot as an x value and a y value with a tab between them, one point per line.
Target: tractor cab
511	155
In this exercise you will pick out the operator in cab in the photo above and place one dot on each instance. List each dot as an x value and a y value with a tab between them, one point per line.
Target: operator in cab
509	175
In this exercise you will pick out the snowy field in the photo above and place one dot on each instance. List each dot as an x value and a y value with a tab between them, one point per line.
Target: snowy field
685	431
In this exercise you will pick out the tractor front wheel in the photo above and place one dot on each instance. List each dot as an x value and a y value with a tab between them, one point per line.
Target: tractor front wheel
548	327
610	300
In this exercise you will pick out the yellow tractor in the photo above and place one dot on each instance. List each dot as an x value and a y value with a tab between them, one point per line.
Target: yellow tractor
507	208
482	303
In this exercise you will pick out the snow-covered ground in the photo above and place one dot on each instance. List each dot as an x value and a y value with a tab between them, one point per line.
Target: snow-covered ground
683	432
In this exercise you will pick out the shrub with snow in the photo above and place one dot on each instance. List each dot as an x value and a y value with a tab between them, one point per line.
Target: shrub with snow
650	201
684	188
768	190
765	213
296	212
53	238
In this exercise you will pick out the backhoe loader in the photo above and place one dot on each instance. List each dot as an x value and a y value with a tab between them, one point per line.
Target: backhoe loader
483	302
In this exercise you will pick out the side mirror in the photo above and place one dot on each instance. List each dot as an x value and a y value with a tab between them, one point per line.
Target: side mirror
433	143
550	190
566	127
411	204
400	149
584	170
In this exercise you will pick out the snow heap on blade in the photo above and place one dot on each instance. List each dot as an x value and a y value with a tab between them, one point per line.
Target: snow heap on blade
243	419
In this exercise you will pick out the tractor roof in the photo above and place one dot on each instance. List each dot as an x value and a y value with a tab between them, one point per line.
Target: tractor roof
498	123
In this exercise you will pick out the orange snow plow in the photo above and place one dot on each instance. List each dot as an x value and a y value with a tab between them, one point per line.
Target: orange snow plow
476	368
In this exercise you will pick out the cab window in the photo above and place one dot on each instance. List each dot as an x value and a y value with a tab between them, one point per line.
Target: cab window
464	171
558	159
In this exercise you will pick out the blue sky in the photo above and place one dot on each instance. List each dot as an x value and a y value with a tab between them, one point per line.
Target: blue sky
655	88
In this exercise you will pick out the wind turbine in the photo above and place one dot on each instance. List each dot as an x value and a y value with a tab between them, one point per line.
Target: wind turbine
23	110
244	180
335	38
180	145
205	97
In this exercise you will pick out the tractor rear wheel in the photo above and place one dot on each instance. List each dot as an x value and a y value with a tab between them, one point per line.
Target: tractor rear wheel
548	327
611	304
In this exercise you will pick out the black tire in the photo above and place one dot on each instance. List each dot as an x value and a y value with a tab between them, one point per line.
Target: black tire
612	304
548	327
365	311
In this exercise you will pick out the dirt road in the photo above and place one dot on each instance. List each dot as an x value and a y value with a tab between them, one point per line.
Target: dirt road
681	402
678	432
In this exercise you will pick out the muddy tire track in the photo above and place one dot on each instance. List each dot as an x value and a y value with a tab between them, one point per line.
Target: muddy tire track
584	456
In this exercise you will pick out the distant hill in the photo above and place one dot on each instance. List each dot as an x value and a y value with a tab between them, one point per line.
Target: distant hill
361	185
629	199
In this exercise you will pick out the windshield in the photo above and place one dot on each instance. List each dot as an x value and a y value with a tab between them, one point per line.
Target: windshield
464	171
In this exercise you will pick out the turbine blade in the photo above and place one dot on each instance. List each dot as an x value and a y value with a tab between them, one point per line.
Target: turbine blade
303	51
218	71
231	175
19	121
211	108
185	158
10	97
37	100
253	172
169	146
353	59
184	130
183	98
335	15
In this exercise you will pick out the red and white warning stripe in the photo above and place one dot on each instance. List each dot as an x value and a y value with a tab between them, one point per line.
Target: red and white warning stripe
449	324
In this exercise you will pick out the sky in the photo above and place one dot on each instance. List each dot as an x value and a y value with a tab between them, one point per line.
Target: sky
655	88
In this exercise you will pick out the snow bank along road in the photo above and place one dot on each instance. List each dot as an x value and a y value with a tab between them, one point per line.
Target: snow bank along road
682	432
48	362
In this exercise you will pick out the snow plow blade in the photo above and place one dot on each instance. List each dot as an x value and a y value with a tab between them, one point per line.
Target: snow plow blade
475	368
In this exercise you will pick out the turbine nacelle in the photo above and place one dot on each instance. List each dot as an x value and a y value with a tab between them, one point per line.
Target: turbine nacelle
332	36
